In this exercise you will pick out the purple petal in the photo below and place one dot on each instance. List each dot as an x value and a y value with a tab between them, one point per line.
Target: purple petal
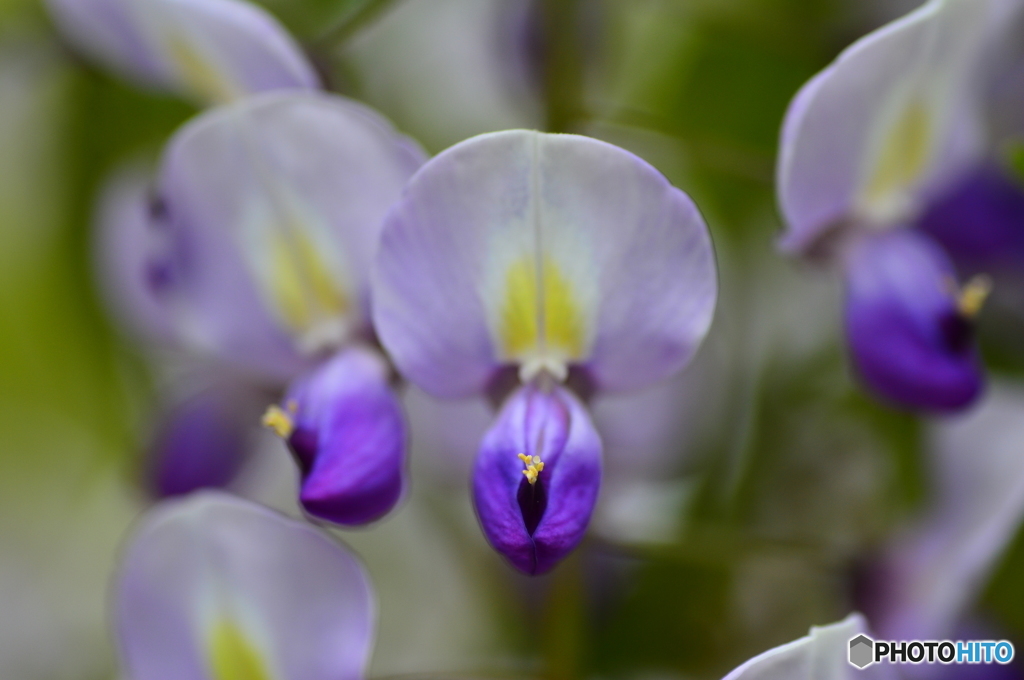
537	525
908	341
202	442
279	201
207	50
892	118
298	603
545	251
980	221
349	438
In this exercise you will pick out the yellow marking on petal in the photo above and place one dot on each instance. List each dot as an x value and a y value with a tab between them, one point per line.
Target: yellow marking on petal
900	160
541	320
534	466
232	656
973	295
519	317
279	420
198	73
301	284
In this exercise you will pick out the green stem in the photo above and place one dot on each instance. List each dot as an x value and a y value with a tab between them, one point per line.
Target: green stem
563	623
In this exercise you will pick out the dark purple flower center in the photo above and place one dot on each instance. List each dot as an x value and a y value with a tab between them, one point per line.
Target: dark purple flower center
533	500
957	331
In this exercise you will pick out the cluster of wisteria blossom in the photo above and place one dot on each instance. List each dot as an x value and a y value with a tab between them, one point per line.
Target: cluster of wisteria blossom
314	259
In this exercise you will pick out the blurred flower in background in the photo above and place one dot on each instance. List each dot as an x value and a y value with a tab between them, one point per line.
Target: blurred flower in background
272	208
865	146
216	587
757	494
210	52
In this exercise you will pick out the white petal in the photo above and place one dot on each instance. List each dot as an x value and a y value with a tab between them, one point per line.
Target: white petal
822	655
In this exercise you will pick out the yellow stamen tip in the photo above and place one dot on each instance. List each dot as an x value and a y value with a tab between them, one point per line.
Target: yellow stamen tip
533	467
279	420
971	299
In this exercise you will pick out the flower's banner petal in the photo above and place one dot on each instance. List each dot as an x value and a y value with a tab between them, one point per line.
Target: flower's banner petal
131	272
202	441
349	438
210	51
821	655
278	202
936	567
542	250
216	588
908	339
537	525
980	221
893	118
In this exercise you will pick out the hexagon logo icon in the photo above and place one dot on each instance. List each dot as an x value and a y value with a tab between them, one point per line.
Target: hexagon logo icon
861	648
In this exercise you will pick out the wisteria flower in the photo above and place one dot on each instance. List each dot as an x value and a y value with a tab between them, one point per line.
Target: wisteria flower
268	212
209	51
867	145
540	269
212	587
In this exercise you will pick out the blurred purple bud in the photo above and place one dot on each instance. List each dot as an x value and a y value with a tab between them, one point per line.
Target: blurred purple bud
202	443
980	221
537	477
909	327
345	427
